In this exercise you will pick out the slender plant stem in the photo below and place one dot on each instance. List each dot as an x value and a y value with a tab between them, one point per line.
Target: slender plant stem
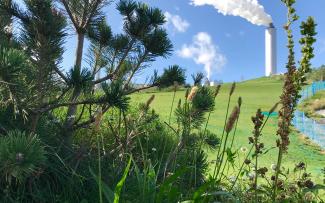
222	155
241	168
255	186
223	132
250	150
278	165
231	144
99	172
206	123
172	106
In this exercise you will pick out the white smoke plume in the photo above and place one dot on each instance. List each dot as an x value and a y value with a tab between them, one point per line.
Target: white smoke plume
204	51
251	10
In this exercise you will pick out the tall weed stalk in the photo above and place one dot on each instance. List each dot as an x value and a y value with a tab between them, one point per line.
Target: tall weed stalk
293	81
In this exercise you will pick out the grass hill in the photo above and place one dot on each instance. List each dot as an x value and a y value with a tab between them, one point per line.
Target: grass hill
258	93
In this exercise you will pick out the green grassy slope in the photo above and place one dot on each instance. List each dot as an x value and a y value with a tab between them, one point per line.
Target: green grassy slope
260	93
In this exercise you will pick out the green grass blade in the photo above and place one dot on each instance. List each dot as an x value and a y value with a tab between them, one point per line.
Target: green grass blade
108	193
167	183
120	184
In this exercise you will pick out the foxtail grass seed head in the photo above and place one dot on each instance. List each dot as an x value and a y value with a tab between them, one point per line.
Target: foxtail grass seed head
187	92
179	103
232	119
193	93
232	89
240	101
150	100
217	90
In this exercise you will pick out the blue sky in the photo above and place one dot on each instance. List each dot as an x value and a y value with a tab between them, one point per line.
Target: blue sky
238	44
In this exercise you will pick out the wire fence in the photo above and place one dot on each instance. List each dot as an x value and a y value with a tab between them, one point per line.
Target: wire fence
309	127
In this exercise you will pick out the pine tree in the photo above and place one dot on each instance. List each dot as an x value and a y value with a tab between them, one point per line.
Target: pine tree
120	56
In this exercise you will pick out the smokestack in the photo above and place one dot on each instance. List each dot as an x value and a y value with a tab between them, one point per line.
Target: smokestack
270	51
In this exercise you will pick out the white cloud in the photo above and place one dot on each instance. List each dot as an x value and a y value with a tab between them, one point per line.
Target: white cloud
203	51
179	24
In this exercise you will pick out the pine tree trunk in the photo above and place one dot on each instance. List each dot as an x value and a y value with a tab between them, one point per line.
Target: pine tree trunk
81	39
34	122
72	109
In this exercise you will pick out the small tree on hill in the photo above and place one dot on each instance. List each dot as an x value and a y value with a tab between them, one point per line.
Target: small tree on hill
197	78
171	75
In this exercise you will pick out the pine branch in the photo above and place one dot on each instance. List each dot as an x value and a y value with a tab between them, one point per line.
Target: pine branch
92	13
67	8
59	72
107	77
142	88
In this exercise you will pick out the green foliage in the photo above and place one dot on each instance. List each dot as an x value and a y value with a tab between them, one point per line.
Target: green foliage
211	140
118	188
115	96
166	190
140	18
21	156
43	34
84	13
171	75
110	196
197	163
119	43
157	43
15	84
191	113
203	100
101	129
5	25
308	31
100	33
80	79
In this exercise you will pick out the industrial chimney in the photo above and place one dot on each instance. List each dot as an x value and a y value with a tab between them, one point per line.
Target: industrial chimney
270	51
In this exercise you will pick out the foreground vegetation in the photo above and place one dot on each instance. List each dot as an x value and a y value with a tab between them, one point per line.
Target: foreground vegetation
260	93
72	137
